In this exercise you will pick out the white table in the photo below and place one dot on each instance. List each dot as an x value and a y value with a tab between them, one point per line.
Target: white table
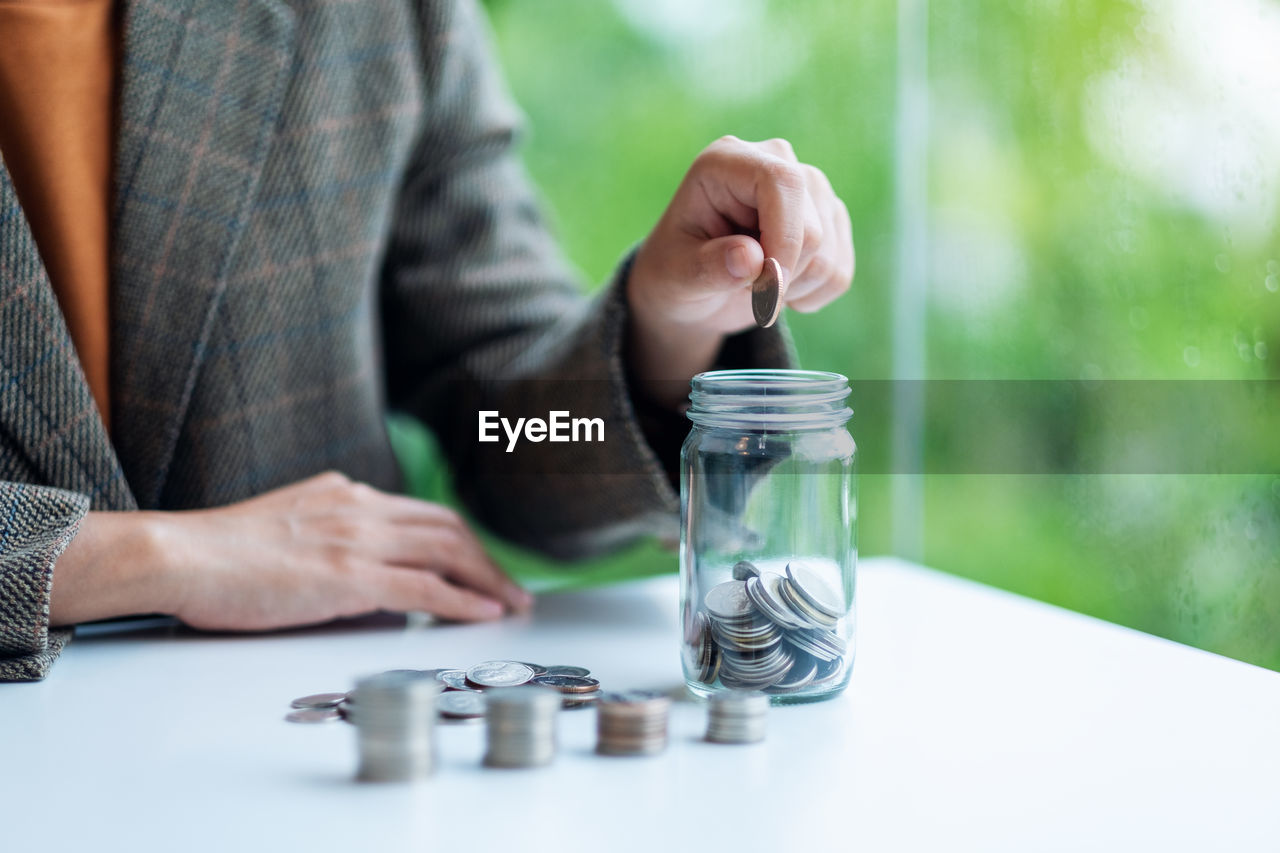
976	720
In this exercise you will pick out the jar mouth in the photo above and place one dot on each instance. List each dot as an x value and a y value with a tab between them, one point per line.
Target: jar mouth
787	399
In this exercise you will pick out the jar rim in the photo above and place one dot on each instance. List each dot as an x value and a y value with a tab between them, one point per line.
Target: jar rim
764	380
783	399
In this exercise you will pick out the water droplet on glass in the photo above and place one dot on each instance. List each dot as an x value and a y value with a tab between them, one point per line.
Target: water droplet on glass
1273	282
1260	350
1222	262
1191	355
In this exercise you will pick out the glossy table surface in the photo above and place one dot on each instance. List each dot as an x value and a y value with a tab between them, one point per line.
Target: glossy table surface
976	720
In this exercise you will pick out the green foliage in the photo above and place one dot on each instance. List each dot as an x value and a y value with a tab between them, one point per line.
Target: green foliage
1098	210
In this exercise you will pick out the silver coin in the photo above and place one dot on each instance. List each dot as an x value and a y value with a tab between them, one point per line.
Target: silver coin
744	569
800	607
455	679
499	673
816	589
313	715
767	292
711	668
763	593
538	669
728	601
319	700
460	703
561	669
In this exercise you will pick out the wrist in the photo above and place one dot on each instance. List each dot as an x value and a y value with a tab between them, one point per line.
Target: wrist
153	548
663	354
116	565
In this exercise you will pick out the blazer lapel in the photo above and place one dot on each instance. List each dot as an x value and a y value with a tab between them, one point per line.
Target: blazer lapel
201	88
46	410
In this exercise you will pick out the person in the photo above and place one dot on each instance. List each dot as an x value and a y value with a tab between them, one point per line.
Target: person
233	235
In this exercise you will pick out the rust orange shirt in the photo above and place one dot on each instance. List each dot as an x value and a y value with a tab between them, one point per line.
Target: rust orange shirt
57	82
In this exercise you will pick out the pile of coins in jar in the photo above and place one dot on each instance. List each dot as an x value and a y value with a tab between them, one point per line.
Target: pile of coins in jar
768	631
396	712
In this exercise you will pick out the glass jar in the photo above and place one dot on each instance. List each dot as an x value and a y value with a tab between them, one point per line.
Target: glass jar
767	535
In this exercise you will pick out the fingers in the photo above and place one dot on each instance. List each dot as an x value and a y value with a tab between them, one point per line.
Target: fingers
454	552
403	590
751	187
406	532
762	187
828	270
737	259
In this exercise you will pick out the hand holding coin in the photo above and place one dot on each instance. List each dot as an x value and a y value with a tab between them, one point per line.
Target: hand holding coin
750	229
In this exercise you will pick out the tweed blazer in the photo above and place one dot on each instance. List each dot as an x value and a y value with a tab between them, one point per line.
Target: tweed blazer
317	216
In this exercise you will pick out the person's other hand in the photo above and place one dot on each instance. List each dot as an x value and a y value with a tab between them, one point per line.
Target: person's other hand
311	552
739	203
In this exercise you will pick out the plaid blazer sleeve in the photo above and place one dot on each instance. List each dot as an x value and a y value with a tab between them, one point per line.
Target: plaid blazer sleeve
36	523
480	312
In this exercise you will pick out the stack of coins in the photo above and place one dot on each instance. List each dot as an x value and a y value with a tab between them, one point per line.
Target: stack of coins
737	716
521	726
632	723
768	631
395	715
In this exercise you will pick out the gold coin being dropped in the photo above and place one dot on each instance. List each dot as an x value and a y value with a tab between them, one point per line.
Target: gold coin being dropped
767	292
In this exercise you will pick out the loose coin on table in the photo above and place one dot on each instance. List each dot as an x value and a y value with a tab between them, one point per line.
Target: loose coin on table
319	700
568	683
767	293
499	673
560	669
313	715
455	679
461	704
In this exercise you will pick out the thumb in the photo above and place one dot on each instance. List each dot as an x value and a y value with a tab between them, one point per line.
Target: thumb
728	262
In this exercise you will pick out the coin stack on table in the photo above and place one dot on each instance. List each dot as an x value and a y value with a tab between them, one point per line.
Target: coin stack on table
737	716
633	722
769	631
394	713
521	726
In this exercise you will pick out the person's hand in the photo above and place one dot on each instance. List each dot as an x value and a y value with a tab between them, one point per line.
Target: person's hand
740	202
311	552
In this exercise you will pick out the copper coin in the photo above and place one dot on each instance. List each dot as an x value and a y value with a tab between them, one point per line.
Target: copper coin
767	292
568	683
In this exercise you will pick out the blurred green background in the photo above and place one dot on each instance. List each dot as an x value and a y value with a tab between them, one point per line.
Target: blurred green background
1103	182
